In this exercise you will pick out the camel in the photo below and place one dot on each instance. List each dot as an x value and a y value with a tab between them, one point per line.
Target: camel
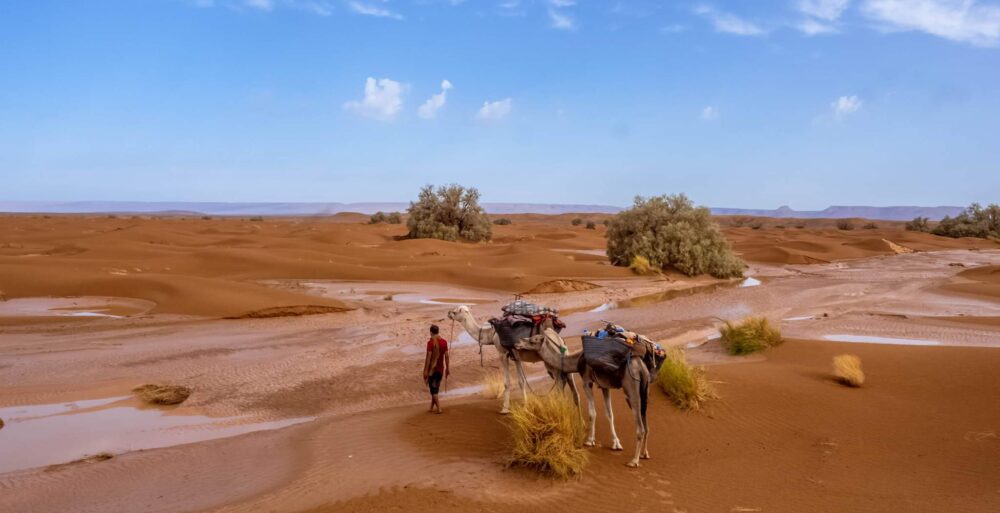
634	381
485	335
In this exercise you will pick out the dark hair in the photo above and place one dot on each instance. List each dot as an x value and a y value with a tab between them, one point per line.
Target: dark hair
434	329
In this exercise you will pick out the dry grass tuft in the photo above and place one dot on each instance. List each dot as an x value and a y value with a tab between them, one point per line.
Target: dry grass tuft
686	386
847	370
749	336
493	384
548	434
640	265
162	394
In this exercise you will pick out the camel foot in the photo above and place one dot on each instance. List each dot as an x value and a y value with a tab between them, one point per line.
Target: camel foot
632	464
645	456
505	411
616	446
588	443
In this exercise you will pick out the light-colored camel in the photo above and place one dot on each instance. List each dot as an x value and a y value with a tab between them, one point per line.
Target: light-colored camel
485	335
634	381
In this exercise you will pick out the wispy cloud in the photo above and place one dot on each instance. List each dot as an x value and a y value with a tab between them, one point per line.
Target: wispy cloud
829	10
264	5
561	21
492	111
372	10
709	113
845	106
430	107
811	27
382	100
965	21
563	3
727	22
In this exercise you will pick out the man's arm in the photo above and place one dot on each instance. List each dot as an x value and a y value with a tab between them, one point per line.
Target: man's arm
427	365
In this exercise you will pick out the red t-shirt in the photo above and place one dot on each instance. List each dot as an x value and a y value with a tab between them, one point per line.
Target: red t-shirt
442	349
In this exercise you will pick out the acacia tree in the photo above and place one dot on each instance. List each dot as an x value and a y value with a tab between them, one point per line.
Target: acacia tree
449	212
974	221
669	231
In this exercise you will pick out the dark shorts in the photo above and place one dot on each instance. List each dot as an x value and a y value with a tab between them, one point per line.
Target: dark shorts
434	382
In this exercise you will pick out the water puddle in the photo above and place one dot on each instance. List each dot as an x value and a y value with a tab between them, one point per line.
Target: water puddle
799	318
868	339
590	252
660	297
410	293
48	434
88	306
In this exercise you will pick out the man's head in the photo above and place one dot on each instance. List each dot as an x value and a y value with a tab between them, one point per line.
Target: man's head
434	330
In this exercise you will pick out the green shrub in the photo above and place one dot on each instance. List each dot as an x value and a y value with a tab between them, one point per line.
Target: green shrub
448	213
749	336
607	222
257	219
669	231
756	225
845	224
503	221
870	226
591	225
548	434
382	217
919	224
576	222
974	221
686	386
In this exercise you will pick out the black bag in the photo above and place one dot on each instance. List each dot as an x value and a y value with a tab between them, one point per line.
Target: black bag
609	354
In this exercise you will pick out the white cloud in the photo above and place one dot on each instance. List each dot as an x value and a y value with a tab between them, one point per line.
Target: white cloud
964	21
729	23
430	107
561	21
494	110
845	105
829	10
318	8
264	5
811	27
382	101
373	10
563	3
709	113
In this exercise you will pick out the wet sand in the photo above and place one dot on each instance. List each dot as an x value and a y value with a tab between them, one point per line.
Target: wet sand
920	436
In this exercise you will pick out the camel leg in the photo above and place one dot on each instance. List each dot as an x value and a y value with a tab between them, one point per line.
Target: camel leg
588	389
572	388
522	378
505	364
640	426
616	444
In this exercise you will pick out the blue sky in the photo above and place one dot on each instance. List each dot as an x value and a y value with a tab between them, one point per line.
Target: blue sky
739	104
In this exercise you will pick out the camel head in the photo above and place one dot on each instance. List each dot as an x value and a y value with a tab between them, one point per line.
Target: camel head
459	312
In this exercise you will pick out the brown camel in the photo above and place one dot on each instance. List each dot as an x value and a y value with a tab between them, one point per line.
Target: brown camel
633	379
485	335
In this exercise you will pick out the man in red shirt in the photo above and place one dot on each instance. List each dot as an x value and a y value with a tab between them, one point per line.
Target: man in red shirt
436	366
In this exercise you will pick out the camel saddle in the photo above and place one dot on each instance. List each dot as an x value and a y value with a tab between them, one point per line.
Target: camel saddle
523	320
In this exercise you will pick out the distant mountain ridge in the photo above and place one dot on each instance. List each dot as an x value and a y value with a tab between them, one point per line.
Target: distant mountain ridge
892	213
895	213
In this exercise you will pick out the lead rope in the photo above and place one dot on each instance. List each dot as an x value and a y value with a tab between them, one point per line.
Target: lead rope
448	370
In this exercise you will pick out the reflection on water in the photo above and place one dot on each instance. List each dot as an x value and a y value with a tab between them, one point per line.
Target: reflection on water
46	434
666	295
882	340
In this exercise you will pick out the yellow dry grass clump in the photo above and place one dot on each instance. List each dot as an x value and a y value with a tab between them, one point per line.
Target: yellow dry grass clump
493	384
847	370
548	434
749	336
640	265
685	385
162	394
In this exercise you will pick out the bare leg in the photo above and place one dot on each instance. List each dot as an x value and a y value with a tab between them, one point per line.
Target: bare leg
588	389
505	364
616	444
